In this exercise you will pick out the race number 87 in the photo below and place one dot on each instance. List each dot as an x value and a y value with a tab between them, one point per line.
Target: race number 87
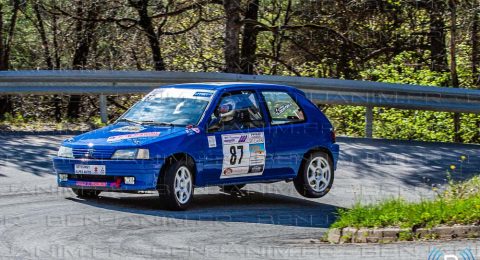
233	154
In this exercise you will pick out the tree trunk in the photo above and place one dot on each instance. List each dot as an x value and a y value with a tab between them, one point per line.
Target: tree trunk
43	36
47	56
232	36
85	31
6	104
55	42
249	39
279	37
476	63
57	100
145	21
438	54
453	65
84	34
475	48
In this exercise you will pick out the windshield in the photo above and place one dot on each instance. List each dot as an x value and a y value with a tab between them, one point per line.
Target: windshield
170	106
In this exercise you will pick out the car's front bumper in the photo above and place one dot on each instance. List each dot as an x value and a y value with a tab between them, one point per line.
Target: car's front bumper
145	172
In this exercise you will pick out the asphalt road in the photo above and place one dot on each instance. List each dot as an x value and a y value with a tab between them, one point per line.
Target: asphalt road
39	220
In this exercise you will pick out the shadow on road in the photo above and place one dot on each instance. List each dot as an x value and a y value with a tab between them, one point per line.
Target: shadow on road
248	207
29	153
411	163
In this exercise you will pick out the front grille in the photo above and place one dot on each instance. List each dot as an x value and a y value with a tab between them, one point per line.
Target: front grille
91	177
92	153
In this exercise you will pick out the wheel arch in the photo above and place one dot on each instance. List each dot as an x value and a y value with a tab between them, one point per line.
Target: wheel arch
314	150
169	160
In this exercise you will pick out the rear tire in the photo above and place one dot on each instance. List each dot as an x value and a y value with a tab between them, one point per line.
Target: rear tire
232	188
176	188
86	193
315	177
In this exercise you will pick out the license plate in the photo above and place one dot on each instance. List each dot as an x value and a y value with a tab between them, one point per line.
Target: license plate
90	169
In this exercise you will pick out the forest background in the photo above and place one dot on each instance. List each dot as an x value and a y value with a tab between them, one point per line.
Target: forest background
426	42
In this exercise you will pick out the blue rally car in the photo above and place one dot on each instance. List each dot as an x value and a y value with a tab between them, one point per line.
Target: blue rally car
194	135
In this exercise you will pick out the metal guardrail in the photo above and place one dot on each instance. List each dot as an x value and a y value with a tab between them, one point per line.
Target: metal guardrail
322	91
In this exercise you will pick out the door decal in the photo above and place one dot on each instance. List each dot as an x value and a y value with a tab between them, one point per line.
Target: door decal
243	154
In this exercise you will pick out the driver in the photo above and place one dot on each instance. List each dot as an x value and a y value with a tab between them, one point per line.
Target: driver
226	113
234	113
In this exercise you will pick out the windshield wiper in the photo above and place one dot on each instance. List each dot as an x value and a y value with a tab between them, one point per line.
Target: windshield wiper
150	122
129	120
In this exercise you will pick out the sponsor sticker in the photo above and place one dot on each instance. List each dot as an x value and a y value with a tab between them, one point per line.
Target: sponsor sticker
91	184
243	155
192	131
212	142
132	136
279	110
202	94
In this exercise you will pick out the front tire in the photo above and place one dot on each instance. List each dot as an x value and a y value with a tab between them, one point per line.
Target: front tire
177	188
86	193
315	177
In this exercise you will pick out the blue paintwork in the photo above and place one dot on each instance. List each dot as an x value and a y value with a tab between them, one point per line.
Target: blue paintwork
285	145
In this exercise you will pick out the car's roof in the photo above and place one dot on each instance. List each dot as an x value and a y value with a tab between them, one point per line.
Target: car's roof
229	85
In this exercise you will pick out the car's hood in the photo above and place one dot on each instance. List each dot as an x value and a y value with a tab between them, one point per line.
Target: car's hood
125	134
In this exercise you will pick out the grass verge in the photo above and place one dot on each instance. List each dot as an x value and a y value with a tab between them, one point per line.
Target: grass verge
459	204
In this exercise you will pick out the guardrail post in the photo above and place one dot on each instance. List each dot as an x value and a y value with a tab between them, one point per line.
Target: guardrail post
103	108
369	122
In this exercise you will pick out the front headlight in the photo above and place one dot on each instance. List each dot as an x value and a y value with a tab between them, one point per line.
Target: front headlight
130	154
65	152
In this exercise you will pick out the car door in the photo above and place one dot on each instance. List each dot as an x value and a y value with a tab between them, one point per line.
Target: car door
288	128
237	149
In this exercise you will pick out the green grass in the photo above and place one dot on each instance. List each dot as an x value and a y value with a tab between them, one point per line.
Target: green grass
460	204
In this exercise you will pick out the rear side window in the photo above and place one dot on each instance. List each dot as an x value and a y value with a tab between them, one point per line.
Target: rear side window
282	108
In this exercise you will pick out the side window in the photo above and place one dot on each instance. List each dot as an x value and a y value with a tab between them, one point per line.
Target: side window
282	108
236	111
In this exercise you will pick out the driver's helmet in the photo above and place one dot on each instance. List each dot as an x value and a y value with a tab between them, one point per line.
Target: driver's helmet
226	110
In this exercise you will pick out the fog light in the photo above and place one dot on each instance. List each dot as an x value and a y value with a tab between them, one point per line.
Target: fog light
63	177
129	180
